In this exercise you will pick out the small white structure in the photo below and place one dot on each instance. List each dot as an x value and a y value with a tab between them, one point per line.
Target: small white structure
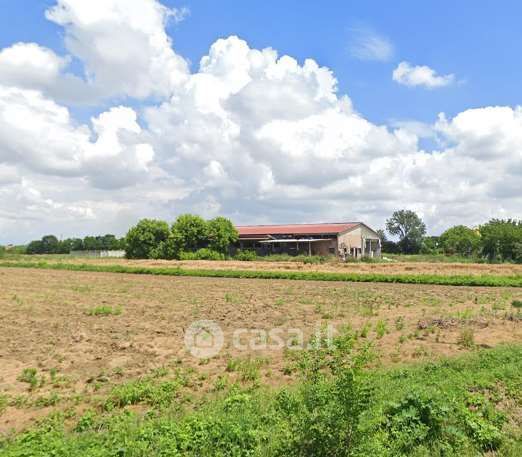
114	254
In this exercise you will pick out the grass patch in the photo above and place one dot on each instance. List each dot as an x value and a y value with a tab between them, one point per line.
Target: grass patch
456	280
105	310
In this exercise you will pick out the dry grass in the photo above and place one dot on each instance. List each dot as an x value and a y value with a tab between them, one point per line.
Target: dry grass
47	323
330	266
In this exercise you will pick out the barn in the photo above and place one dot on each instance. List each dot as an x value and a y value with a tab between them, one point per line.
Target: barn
343	239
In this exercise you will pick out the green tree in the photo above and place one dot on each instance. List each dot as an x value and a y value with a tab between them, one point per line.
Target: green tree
460	240
221	234
168	249
35	247
191	231
430	245
144	238
91	243
76	244
501	240
2	252
50	244
409	228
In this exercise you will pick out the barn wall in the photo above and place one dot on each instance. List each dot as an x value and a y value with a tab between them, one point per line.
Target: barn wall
352	239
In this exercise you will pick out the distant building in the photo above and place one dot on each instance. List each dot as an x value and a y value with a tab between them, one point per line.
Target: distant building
345	239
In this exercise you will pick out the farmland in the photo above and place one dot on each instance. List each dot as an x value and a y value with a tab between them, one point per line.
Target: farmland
72	342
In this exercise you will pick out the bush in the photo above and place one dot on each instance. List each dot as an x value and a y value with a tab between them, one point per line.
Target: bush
202	254
246	255
2	252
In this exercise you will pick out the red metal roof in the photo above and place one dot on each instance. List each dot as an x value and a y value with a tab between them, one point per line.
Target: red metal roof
296	229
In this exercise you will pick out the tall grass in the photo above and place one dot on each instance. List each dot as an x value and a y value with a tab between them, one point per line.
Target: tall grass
455	280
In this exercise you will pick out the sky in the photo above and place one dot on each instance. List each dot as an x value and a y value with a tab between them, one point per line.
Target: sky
264	112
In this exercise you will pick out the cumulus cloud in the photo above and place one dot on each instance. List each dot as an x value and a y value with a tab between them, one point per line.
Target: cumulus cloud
366	44
420	75
40	135
250	134
122	44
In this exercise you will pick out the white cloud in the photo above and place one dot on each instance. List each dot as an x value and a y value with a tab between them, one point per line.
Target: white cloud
420	75
39	135
123	45
367	44
250	134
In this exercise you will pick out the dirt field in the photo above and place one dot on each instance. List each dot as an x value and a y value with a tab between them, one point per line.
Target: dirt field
54	321
349	267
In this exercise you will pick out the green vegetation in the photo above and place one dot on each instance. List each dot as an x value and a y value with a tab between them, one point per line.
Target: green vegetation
49	244
190	238
433	258
516	304
201	254
245	255
496	241
409	228
460	240
29	376
104	310
147	238
459	280
502	240
313	259
465	406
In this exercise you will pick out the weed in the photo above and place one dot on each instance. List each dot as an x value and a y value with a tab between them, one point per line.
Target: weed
381	328
466	338
365	330
280	302
399	323
104	310
29	376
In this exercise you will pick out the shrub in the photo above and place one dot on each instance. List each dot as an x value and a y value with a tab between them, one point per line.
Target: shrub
104	310
202	254
414	421
246	255
516	304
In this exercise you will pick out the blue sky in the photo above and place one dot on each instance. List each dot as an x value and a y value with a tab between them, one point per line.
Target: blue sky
477	41
106	116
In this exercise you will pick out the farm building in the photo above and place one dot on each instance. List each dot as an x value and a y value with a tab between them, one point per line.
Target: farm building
345	239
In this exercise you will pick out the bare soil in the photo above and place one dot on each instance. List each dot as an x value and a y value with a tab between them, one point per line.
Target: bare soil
46	324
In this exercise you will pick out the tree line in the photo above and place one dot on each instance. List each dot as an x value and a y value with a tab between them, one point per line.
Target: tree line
50	244
192	237
499	240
